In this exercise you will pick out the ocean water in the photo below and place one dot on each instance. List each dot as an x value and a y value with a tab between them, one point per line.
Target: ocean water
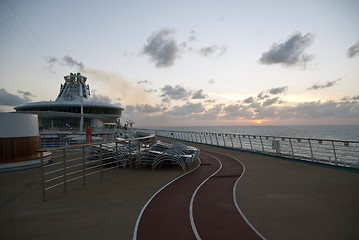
330	132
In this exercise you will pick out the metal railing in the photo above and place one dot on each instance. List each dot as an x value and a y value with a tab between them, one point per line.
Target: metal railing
334	152
59	139
76	162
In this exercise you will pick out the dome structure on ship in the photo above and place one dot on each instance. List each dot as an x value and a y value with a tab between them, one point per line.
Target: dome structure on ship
73	108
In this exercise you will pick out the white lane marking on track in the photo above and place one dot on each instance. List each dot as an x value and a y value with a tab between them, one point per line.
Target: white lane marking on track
236	203
193	225
148	202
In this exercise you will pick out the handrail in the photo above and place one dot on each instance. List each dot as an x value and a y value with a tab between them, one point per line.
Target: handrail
343	153
93	143
236	134
87	159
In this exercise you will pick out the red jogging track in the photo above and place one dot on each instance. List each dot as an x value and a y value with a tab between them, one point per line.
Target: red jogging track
214	213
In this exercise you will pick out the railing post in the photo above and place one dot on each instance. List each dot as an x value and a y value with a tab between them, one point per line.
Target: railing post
335	155
195	136
117	158
240	141
224	140
200	138
250	142
83	166
311	150
64	160
291	147
130	153
192	136
205	137
101	161
216	139
261	143
42	176
230	136
210	136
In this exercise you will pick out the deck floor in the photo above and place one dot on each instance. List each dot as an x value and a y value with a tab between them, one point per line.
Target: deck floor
282	199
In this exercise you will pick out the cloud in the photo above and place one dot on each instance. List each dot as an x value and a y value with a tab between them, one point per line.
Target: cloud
130	108
25	94
69	61
50	61
291	52
320	109
326	85
214	50
235	111
9	99
99	98
192	36
248	100
251	109
162	48
175	93
146	108
210	101
144	82
353	50
262	96
307	110
115	85
199	95
150	90
188	108
212	113
278	90
267	94
270	101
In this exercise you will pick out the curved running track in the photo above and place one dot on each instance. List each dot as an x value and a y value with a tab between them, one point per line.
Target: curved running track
198	205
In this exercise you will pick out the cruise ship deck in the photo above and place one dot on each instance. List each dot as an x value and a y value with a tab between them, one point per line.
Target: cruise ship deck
282	199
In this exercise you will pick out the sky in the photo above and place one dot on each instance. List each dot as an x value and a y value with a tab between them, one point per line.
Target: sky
188	63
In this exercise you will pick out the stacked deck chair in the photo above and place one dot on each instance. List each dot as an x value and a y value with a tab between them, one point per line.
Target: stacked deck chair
108	154
163	153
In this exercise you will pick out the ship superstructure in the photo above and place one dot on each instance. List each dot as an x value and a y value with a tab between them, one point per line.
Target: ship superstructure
73	108
74	88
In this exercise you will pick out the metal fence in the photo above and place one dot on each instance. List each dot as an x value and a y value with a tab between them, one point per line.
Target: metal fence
76	162
59	139
333	152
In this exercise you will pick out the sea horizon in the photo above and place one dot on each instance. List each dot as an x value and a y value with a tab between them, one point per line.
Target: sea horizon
331	132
